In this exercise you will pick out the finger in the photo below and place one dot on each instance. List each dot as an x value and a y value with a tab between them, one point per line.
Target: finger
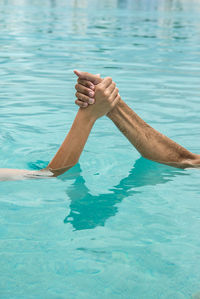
84	90
81	104
116	100
106	82
114	94
86	83
95	79
111	88
84	98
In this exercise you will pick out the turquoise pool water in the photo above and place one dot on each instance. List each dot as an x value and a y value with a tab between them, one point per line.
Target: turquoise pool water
116	225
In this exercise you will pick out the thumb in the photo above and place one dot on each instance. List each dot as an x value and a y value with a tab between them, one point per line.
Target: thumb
95	79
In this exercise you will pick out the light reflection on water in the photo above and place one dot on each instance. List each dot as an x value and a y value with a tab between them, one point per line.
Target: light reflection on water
88	211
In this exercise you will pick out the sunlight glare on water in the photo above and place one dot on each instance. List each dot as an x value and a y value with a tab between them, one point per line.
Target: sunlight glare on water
116	225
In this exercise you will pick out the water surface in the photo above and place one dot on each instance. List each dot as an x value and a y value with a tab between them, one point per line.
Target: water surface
116	225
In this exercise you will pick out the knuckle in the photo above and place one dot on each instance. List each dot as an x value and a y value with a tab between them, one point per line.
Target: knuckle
109	100
117	99
106	93
98	88
115	92
90	94
81	97
102	89
112	105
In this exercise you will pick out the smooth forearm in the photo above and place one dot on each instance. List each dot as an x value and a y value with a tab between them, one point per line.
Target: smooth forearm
150	143
72	147
67	155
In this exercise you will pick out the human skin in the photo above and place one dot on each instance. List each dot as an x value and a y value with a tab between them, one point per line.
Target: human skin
150	143
106	97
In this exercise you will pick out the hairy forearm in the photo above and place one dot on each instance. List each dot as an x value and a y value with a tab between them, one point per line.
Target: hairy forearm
72	147
150	143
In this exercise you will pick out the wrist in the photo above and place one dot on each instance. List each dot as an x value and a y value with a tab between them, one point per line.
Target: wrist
87	116
115	109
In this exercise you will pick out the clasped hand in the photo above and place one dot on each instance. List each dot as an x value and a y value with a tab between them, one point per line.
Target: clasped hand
98	95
